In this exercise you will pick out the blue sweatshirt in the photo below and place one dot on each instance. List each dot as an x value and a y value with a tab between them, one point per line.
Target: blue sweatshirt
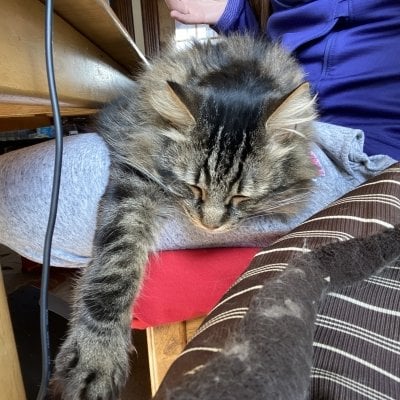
350	51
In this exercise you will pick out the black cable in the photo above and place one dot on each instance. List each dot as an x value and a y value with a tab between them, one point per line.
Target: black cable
44	332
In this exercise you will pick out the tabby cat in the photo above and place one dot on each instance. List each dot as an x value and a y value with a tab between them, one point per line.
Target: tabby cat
221	130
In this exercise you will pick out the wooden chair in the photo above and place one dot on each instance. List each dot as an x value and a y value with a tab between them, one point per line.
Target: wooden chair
12	387
164	344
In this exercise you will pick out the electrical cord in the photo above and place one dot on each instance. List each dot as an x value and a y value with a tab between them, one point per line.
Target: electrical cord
44	323
44	329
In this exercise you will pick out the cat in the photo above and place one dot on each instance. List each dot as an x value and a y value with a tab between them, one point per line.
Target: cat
222	130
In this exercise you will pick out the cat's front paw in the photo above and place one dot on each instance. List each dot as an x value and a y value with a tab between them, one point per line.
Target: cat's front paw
91	367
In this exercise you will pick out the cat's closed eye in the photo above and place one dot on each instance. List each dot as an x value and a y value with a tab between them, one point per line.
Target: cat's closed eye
237	199
199	192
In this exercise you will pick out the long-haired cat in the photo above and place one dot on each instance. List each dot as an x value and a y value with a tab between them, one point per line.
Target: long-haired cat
221	130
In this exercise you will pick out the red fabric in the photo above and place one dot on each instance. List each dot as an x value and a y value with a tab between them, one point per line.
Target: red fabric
184	284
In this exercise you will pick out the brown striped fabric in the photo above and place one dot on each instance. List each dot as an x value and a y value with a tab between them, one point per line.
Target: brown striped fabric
357	338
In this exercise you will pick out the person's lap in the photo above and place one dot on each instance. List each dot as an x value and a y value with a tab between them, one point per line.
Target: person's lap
26	179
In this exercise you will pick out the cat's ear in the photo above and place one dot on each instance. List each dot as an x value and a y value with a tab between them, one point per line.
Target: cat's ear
179	105
186	98
296	108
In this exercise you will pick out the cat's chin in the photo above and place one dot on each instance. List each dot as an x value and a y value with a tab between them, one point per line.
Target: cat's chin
217	229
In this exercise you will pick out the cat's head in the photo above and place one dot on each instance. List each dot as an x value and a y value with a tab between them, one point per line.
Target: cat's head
225	127
238	152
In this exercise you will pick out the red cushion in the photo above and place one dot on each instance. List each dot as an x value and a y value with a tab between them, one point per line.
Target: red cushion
184	284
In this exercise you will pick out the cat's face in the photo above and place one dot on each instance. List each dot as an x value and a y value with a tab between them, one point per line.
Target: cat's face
238	161
225	127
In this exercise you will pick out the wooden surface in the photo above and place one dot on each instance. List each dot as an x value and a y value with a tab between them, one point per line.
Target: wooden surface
166	24
16	123
25	110
109	35
164	344
11	386
86	77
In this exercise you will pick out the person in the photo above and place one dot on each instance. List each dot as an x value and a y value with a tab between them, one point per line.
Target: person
348	50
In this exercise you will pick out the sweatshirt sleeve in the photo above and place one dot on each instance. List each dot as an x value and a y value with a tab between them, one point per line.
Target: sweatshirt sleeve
237	17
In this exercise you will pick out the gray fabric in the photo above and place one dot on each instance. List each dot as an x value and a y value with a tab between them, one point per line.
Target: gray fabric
25	188
26	178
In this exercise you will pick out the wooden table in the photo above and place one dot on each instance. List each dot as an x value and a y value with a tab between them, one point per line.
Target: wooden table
95	59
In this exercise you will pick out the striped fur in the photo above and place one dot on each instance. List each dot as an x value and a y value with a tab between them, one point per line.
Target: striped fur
221	131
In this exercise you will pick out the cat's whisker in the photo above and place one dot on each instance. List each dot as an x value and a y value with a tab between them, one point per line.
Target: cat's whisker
280	204
258	215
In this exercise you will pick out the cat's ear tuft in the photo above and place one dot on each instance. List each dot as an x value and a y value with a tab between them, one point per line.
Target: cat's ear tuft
295	109
178	104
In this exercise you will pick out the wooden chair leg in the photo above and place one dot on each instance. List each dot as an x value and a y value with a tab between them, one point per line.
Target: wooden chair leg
164	344
11	385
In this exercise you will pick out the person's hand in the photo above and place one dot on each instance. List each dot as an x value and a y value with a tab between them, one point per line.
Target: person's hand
197	11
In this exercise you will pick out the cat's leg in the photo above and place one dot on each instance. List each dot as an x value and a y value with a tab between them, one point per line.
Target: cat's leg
93	362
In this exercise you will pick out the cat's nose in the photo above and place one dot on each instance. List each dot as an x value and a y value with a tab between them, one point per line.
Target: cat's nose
213	215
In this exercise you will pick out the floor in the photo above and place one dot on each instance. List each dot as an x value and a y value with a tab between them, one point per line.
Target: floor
24	308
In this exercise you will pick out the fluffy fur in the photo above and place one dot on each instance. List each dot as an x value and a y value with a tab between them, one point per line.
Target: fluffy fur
221	131
270	356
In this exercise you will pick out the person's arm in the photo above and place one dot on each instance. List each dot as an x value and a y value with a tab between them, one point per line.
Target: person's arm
224	16
238	16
